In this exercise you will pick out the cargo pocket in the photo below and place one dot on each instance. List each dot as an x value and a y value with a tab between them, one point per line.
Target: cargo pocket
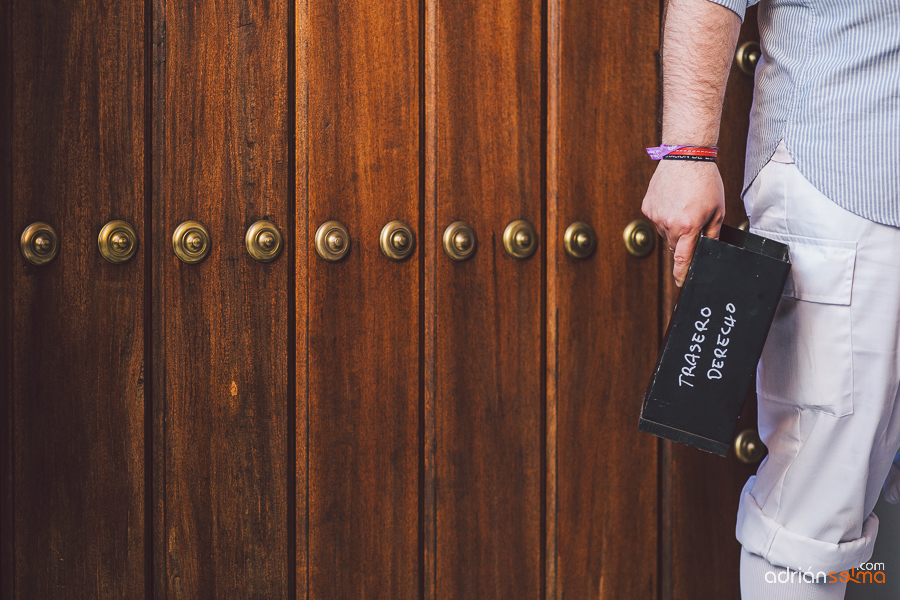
807	361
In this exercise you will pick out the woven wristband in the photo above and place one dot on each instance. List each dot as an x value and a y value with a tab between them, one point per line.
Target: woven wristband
683	153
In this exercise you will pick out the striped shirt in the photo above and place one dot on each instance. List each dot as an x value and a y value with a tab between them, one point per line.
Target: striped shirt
828	84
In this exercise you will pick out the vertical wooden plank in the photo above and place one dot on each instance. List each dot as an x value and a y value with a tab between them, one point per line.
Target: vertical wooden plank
359	157
158	245
223	155
77	403
704	489
483	166
552	248
603	310
303	254
431	240
9	245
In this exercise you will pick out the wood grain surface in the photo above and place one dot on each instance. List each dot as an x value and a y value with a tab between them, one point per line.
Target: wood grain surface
358	85
362	429
602	311
77	400
483	166
221	154
702	490
9	245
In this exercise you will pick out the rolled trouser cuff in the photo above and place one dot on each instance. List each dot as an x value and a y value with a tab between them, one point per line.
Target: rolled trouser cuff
762	535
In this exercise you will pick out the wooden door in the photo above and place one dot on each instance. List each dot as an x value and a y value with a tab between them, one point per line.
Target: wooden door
75	445
366	428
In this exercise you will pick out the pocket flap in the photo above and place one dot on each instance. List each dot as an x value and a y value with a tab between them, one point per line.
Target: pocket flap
821	270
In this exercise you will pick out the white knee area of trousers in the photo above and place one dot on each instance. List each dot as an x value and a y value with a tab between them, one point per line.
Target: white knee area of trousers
762	581
763	535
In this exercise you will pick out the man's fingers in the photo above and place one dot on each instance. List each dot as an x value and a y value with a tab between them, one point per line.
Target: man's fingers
668	238
684	250
713	228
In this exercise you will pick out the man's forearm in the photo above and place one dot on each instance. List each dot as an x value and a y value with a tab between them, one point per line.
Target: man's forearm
699	38
685	198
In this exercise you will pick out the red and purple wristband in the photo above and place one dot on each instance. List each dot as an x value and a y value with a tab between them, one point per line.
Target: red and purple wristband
683	153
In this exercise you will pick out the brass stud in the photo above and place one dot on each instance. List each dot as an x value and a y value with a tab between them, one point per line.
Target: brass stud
332	241
639	238
194	241
520	239
263	241
39	243
191	242
460	240
745	225
747	56
579	240
748	448
117	242
397	240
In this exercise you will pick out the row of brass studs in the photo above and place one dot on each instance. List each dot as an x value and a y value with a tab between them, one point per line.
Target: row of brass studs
397	240
191	241
118	241
460	241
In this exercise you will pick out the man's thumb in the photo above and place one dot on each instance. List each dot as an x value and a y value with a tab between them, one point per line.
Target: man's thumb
684	251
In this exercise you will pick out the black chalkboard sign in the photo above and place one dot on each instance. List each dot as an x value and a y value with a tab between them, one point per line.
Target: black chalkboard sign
714	340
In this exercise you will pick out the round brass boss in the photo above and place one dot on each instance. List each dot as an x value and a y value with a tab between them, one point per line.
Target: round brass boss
746	57
639	238
263	241
191	242
579	240
748	448
459	240
397	240
520	239
117	242
332	241
39	243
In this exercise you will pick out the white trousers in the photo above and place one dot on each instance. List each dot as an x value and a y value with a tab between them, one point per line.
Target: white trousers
828	380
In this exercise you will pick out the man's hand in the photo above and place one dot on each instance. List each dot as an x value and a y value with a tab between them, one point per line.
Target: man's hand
685	198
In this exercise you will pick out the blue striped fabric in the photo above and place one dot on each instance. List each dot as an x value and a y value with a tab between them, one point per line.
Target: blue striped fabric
828	84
